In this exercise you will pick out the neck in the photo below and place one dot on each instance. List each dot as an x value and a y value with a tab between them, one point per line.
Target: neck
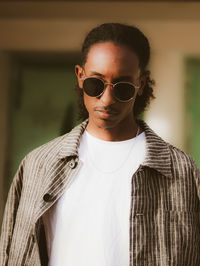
123	131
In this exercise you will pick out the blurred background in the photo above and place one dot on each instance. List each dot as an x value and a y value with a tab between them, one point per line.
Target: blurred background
40	44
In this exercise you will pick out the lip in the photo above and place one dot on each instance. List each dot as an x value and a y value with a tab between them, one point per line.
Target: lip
104	114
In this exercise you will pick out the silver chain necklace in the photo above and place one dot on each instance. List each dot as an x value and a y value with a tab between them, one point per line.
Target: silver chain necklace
89	156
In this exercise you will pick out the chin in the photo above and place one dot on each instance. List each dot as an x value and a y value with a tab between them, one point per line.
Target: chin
106	123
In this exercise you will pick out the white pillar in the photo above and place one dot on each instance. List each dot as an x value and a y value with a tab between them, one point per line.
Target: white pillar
166	112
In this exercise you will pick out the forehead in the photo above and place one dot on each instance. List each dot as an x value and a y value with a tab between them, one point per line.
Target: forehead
109	58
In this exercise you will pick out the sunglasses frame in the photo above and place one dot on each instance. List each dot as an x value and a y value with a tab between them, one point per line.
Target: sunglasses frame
112	84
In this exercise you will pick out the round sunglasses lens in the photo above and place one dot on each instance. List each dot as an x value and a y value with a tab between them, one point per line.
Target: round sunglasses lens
124	91
93	86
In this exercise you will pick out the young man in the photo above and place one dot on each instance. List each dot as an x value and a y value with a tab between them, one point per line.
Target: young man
111	192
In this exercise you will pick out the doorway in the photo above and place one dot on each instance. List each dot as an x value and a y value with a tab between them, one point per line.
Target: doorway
42	103
192	96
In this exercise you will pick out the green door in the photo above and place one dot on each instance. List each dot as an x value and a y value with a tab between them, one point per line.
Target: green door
43	106
193	108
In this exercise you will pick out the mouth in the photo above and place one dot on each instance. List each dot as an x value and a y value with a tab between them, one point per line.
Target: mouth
106	114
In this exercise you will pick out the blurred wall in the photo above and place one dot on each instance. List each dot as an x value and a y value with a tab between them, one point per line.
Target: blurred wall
172	28
4	89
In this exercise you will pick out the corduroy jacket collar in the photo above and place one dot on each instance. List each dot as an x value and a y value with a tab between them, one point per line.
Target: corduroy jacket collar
157	155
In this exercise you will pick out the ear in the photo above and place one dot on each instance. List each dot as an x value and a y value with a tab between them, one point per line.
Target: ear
142	85
79	73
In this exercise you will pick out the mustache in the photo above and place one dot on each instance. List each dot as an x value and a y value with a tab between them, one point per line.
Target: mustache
108	109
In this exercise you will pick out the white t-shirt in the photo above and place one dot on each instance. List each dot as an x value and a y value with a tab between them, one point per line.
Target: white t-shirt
89	224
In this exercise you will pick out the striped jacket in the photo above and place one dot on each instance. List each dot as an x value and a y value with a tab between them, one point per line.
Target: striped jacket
165	203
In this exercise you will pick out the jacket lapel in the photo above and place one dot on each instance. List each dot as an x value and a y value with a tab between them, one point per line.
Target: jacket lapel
60	171
157	151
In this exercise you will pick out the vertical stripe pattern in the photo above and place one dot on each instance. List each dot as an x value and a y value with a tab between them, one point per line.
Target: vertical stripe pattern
165	203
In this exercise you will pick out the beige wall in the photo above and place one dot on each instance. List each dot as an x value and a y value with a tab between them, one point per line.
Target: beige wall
172	28
62	35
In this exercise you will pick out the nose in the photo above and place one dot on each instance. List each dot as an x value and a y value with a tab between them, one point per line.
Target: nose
107	97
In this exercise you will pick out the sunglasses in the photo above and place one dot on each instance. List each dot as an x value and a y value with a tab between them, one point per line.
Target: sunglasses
94	87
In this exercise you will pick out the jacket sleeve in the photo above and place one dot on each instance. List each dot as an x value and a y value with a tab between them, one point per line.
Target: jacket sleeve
10	213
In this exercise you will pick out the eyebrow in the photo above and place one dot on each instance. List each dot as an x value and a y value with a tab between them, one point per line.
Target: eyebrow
120	78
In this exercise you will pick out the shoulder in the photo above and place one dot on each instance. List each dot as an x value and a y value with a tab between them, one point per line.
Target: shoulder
181	161
164	155
41	157
185	170
44	150
59	147
66	144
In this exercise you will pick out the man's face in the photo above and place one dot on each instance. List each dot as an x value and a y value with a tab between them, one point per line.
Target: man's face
112	63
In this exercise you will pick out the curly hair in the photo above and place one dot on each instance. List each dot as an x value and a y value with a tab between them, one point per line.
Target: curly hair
136	41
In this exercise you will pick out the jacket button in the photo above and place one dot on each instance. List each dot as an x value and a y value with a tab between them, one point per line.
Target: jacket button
72	164
47	197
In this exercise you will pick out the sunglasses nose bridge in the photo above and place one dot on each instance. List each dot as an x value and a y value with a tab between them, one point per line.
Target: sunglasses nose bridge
108	84
105	85
111	85
107	96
